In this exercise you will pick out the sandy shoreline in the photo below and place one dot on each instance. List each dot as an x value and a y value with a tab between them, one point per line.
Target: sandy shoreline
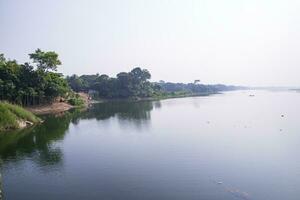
56	107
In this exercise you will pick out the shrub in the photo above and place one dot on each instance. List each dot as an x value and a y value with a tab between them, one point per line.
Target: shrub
76	101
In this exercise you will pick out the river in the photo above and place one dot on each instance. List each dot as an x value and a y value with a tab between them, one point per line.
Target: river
226	146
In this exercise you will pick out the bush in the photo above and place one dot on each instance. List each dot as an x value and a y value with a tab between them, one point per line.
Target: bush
76	101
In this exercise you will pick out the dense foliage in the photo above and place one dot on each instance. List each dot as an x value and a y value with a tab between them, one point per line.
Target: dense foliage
38	82
28	84
136	84
75	100
127	84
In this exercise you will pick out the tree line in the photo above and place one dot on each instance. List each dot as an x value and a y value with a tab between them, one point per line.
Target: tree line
195	87
38	82
126	84
136	84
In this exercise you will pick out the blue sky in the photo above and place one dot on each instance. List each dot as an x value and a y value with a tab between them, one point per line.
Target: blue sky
254	42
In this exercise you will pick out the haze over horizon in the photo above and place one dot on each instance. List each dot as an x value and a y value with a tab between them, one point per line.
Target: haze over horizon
251	43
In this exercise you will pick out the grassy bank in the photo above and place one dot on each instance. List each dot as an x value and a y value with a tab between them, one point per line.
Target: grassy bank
14	117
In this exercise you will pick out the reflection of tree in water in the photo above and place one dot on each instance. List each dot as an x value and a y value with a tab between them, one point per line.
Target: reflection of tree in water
124	110
157	104
129	113
36	142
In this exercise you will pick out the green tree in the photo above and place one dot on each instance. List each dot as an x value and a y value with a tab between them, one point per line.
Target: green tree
22	84
76	83
45	60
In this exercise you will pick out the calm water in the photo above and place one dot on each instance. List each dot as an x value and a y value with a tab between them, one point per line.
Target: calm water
223	147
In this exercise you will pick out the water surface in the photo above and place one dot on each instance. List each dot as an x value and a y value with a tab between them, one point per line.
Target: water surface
228	146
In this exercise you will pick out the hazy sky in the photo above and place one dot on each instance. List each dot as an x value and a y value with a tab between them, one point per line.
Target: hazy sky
253	42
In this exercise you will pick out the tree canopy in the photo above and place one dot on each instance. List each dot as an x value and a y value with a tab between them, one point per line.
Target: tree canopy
38	82
45	60
26	84
126	84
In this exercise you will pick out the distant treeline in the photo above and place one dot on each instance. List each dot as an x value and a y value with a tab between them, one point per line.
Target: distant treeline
126	84
136	84
38	83
195	87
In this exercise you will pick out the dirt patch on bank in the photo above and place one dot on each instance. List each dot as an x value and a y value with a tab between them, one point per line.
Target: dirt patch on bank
56	107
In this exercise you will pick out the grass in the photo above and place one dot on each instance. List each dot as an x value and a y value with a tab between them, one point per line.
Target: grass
10	115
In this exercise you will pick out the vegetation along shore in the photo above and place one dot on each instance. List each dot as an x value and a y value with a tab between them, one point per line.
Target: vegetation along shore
15	117
39	88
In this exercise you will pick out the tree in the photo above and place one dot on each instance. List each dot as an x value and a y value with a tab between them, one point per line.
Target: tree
76	83
22	84
45	60
125	84
140	75
2	58
196	81
9	76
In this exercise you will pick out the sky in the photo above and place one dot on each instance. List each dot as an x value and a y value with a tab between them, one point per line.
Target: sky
240	42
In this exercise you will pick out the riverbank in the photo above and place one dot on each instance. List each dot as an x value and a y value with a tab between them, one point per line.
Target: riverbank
15	117
156	98
58	107
171	96
52	108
